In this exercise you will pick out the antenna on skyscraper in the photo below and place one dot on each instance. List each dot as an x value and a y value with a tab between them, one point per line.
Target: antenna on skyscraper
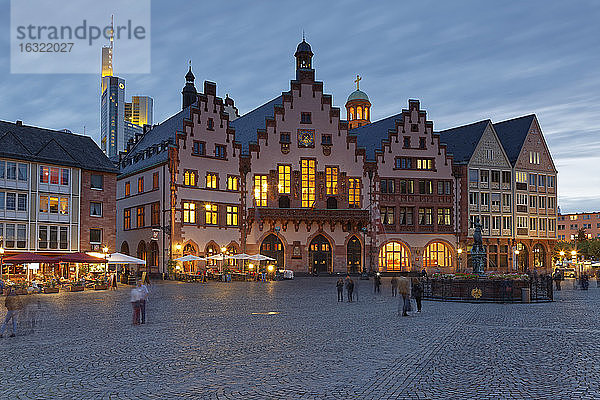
112	30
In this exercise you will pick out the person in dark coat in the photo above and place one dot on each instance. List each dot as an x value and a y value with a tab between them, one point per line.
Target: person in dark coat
394	283
349	287
417	292
340	289
557	279
377	283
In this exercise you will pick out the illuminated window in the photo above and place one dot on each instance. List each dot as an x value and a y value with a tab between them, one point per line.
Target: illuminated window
331	177
351	113
308	182
233	183
141	185
424	163
140	217
44	174
444	216
127	189
354	192
366	112
189	178
54	175
43	204
127	219
359	112
260	190
394	256
232	216
155	180
210	214
521	177
211	180
285	177
425	216
189	212
53	203
437	254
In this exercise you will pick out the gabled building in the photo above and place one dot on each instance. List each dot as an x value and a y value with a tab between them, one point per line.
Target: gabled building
535	192
484	177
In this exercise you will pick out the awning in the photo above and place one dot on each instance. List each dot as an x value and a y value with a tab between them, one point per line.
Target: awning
79	258
26	258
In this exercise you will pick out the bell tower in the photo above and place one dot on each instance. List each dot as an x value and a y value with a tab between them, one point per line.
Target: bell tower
304	54
189	90
358	107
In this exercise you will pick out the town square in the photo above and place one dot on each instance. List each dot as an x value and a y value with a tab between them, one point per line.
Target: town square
271	200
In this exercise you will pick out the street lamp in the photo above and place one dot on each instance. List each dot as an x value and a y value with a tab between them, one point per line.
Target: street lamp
459	251
1	261
105	250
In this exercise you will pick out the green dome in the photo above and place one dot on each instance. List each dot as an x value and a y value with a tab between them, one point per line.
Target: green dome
358	95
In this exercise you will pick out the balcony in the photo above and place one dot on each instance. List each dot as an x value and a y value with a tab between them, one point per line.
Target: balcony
309	214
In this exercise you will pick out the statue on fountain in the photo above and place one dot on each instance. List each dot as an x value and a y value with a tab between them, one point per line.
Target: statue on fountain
478	251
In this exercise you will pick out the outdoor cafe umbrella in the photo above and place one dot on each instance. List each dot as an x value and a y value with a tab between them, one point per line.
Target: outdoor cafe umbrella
118	258
190	257
260	257
26	258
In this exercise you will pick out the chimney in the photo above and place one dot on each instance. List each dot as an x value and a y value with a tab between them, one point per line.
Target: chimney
19	122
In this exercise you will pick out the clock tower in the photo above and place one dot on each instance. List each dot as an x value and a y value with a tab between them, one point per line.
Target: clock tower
358	107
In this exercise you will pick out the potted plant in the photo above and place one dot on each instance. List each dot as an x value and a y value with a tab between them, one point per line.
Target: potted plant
52	288
100	285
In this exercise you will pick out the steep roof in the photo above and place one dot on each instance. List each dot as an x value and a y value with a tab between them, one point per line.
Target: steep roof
30	143
461	141
512	134
247	125
369	136
158	134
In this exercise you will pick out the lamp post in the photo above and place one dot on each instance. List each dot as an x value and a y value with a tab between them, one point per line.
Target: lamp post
177	250
1	261
223	253
517	259
574	259
459	251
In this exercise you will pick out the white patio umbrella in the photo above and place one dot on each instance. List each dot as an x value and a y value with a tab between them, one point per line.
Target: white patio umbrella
241	256
219	257
118	258
190	257
260	257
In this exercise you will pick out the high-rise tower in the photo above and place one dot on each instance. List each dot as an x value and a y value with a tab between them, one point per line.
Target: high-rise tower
107	57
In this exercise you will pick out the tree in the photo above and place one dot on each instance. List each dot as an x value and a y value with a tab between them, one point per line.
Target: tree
581	236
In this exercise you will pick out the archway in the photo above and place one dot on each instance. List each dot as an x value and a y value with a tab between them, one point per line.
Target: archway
539	257
319	255
522	256
438	255
353	255
189	249
394	257
142	254
211	250
272	246
125	248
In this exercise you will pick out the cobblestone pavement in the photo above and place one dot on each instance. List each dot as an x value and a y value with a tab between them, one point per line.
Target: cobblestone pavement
215	341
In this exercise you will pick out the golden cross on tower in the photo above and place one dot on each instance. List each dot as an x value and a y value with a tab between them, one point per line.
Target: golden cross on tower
357	80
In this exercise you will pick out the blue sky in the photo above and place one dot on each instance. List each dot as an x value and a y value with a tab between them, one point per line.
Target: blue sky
464	60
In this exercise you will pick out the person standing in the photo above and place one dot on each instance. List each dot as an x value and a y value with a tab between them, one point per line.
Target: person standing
340	289
404	289
557	279
377	283
143	297
135	303
394	283
13	305
417	292
349	288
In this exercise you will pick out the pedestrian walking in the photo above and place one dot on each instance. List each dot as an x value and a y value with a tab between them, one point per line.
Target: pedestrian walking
394	283
404	290
377	283
13	305
340	289
135	303
417	292
143	297
349	288
113	285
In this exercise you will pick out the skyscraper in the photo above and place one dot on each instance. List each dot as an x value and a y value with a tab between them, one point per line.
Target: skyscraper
112	116
139	111
107	54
